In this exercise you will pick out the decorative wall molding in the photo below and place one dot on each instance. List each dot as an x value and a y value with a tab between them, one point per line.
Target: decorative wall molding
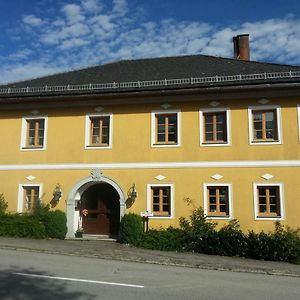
214	103
160	177
155	165
267	176
216	176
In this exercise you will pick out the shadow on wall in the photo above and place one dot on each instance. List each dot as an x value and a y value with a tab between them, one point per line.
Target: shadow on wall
18	287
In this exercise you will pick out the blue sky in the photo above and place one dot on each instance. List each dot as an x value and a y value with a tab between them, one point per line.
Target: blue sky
41	37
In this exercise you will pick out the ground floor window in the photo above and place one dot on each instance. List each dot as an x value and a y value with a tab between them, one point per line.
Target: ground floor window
268	201
29	197
160	200
217	200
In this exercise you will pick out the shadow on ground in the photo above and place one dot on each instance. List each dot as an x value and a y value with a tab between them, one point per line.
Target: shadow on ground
18	287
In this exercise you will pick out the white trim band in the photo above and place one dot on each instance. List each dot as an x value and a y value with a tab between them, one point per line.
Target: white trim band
155	165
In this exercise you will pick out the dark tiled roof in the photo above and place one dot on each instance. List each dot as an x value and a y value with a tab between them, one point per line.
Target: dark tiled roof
156	69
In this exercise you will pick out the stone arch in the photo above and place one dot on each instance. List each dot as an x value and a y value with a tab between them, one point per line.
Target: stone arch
78	189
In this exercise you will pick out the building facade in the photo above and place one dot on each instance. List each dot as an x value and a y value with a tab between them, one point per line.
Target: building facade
161	136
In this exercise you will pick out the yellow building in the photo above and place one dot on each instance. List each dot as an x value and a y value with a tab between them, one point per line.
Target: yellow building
158	135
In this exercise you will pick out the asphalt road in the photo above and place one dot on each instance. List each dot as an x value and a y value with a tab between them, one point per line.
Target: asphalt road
29	275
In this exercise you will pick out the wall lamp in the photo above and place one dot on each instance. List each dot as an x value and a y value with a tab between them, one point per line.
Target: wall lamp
57	193
133	192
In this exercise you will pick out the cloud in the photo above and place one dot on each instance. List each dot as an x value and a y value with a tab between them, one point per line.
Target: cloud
31	20
73	13
91	6
89	32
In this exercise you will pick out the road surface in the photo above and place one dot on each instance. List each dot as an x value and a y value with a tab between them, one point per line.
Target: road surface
29	275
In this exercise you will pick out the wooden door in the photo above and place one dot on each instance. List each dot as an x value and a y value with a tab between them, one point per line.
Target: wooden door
102	217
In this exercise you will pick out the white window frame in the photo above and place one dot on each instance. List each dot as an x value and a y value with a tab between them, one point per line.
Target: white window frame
88	117
277	108
255	198
228	126
298	113
21	194
149	200
205	199
23	144
153	128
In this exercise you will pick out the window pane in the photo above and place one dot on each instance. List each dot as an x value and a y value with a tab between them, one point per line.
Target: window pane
257	116
220	118
269	116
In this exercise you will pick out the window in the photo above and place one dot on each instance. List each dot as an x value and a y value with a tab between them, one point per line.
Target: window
165	128
214	127
160	200
217	200
34	133
268	201
29	197
98	131
264	125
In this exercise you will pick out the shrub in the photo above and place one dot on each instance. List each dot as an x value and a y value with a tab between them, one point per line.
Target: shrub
16	225
55	223
131	229
231	240
3	204
283	244
200	233
170	239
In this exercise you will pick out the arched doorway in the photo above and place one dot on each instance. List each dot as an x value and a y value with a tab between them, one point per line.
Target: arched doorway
101	204
95	186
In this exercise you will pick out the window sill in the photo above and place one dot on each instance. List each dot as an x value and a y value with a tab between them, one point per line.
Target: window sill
162	145
162	217
271	218
214	144
273	142
33	148
91	147
219	217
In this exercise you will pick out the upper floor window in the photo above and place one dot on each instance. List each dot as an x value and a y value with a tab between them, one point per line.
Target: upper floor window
268	201
165	128
33	135
98	131
217	200
29	197
264	125
214	127
160	200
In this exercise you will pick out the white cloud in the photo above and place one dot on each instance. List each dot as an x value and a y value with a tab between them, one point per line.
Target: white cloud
73	13
75	42
31	20
120	7
91	6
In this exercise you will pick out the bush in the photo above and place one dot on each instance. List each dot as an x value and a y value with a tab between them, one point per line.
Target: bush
170	239
231	240
197	234
131	229
280	245
201	234
3	204
55	223
16	225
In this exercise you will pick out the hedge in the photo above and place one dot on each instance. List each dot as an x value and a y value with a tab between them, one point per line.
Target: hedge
17	225
197	234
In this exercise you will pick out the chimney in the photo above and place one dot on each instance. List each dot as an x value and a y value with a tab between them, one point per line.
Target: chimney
241	47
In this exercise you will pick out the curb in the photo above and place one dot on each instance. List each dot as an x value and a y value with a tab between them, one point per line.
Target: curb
214	267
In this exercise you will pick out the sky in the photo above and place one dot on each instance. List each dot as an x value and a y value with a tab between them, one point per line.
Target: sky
42	37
